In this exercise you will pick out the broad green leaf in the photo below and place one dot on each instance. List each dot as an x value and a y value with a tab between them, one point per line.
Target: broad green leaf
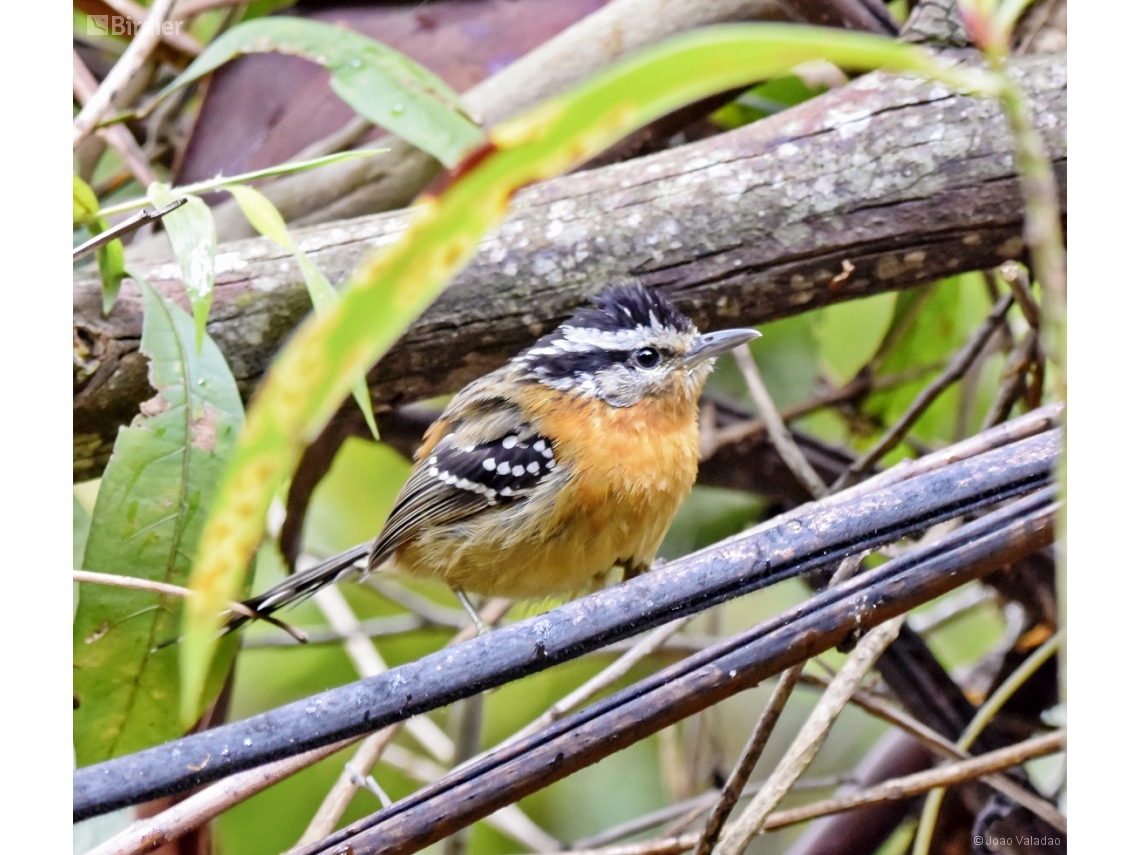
148	516
267	220
390	288
84	205
194	241
381	84
111	261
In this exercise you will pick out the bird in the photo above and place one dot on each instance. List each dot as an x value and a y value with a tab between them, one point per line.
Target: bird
540	477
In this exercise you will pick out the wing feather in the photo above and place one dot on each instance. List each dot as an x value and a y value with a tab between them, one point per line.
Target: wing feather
479	455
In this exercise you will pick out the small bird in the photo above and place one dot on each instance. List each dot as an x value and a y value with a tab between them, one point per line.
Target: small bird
542	476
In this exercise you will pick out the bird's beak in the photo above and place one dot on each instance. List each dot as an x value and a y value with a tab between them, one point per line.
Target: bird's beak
714	344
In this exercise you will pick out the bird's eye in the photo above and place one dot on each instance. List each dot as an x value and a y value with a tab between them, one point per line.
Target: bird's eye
647	357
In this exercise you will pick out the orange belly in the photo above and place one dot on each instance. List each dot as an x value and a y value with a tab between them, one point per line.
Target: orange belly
628	482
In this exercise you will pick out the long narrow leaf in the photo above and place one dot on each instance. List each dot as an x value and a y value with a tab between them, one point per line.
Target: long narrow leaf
195	242
223	181
264	216
381	84
392	287
149	514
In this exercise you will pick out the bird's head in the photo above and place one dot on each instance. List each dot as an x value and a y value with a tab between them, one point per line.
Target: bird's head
631	345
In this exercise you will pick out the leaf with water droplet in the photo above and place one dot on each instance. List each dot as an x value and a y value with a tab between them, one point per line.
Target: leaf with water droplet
149	512
378	82
194	241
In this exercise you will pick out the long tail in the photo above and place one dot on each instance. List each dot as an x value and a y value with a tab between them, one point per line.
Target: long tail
300	585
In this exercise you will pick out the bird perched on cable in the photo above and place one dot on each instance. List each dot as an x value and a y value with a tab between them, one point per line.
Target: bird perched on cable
542	476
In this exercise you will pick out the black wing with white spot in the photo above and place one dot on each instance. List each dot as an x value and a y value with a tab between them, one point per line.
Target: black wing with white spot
455	482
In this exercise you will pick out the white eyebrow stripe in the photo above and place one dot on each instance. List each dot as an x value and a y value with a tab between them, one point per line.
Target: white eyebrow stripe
582	339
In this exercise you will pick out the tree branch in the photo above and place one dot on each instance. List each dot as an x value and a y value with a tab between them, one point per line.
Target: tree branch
903	181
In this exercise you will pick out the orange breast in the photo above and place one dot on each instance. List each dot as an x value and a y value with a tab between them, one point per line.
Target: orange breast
633	467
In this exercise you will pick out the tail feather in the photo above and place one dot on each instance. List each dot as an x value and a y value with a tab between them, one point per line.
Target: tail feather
301	585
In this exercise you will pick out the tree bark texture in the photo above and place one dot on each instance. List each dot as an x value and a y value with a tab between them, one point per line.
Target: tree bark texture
884	184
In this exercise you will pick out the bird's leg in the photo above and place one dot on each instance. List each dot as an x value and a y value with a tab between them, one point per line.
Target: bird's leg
630	570
472	613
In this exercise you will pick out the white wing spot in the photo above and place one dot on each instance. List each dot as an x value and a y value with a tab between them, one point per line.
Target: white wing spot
532	467
489	464
517	471
504	468
510	441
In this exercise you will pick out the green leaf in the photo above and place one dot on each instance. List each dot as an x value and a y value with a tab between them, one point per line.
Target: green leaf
264	216
393	286
84	205
928	326
80	525
111	260
194	241
381	84
850	333
223	181
151	506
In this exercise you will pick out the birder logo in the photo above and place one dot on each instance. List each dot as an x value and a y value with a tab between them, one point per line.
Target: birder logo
121	25
99	25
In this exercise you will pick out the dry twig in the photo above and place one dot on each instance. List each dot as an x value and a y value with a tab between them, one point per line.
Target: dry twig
117	137
147	35
811	736
777	431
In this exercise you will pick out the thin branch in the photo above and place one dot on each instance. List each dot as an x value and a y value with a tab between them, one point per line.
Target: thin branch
954	371
985	713
895	789
369	663
337	799
336	802
179	41
1021	360
1015	276
862	384
84	86
943	612
811	736
694	807
470	727
778	432
940	745
146	835
339	140
147	35
127	226
746	763
921	782
601	681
